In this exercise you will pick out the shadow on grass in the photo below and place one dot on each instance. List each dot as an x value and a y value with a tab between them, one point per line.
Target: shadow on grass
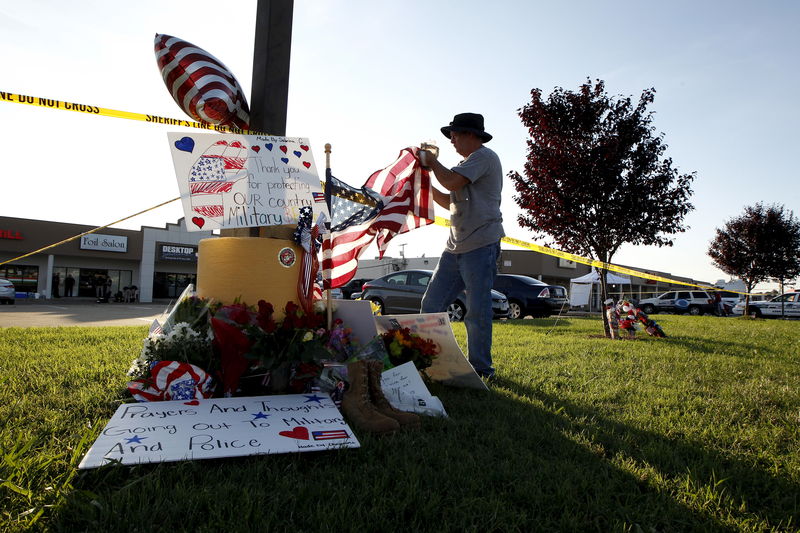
733	486
497	464
728	347
536	323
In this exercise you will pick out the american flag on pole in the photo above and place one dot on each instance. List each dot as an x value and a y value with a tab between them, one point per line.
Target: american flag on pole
394	200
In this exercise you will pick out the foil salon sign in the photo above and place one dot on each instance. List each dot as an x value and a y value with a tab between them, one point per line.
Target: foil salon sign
105	243
154	432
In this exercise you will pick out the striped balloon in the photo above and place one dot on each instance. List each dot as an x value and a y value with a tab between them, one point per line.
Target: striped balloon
200	84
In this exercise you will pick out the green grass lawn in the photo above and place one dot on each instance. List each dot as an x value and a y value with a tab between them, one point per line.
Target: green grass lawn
696	432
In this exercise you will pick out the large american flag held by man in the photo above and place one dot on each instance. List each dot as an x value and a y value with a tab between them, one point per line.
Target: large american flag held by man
394	200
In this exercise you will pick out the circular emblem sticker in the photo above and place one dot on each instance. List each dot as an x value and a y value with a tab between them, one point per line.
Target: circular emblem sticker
287	257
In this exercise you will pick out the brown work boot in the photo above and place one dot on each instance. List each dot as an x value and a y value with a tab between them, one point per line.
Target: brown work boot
356	404
406	420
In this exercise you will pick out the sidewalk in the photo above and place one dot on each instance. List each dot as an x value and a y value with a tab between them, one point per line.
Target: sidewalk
84	300
58	312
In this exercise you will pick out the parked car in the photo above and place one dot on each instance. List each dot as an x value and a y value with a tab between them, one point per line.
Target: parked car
7	292
730	299
529	296
692	302
354	285
336	293
401	292
772	308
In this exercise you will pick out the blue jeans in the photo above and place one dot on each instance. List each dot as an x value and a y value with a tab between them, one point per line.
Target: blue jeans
475	272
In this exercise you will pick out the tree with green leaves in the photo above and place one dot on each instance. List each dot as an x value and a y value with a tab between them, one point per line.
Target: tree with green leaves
761	244
596	175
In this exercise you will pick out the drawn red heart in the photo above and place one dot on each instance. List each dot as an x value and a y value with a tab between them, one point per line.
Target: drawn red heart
283	148
304	147
306	164
256	148
297	433
199	221
193	402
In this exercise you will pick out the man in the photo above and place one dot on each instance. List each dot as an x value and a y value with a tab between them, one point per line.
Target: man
720	305
56	281
68	284
476	227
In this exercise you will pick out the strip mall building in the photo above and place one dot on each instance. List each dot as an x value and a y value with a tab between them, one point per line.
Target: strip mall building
159	262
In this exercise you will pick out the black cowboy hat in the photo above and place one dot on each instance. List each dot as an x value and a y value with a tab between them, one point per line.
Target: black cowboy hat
471	122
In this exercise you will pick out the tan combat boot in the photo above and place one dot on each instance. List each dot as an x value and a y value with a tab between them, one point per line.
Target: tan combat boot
356	404
406	420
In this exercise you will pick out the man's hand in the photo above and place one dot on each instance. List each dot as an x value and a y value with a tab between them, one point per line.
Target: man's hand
426	158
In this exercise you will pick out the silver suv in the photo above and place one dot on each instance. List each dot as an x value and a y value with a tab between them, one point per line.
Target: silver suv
692	302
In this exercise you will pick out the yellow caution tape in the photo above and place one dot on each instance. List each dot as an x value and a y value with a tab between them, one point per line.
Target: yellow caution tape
591	262
88	232
101	111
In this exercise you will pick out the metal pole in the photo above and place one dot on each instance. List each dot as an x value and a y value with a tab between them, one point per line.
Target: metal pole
269	92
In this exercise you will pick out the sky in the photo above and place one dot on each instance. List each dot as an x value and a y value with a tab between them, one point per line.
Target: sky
371	78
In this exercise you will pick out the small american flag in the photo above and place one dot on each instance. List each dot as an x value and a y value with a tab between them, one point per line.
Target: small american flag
394	200
330	434
200	84
155	328
318	196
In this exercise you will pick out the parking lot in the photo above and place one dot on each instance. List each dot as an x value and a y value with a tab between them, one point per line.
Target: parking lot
79	312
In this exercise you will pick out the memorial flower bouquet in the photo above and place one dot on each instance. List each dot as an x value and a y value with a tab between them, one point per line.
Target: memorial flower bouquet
182	343
253	346
404	346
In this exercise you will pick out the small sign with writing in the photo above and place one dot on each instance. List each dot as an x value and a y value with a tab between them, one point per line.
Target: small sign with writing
177	252
154	432
10	234
405	390
106	243
237	181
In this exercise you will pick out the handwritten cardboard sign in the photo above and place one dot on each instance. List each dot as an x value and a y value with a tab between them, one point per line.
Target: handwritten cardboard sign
236	181
153	432
451	366
405	390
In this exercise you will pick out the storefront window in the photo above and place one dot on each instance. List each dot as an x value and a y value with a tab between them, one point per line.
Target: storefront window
93	281
24	277
65	287
170	285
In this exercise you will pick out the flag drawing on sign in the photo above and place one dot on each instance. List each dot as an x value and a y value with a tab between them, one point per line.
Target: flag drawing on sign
318	196
330	434
394	200
200	84
213	175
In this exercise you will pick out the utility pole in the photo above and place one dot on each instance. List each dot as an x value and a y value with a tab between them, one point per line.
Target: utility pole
269	92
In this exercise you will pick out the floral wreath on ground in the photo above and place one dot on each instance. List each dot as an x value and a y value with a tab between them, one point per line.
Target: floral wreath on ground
207	350
236	350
